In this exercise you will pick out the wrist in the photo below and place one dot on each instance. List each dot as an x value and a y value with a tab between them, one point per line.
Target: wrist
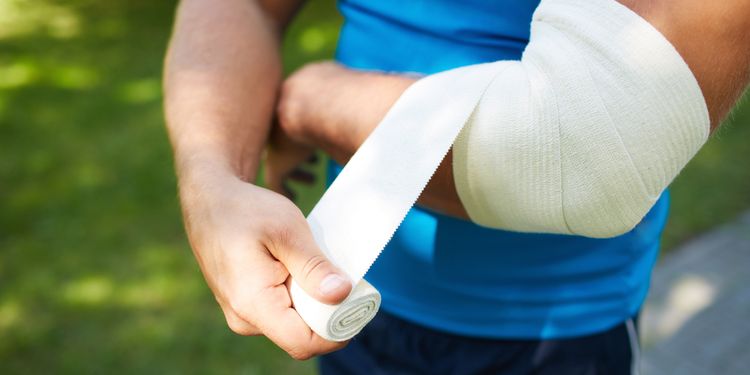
202	171
198	150
310	109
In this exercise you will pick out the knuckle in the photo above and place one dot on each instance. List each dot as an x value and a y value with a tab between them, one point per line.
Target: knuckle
243	308
238	324
300	354
240	328
265	228
243	311
315	262
281	235
285	227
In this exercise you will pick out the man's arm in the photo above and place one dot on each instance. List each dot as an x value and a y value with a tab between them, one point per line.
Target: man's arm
220	58
222	73
335	108
712	37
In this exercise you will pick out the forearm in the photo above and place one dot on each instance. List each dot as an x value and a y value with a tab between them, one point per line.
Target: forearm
221	79
711	37
352	104
373	100
355	102
222	73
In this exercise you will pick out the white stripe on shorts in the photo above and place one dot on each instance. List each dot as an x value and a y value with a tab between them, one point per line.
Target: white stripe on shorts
635	348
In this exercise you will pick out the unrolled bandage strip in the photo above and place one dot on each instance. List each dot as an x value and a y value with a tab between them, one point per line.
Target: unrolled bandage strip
360	211
579	137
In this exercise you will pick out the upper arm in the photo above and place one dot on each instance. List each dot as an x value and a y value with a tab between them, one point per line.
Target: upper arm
713	38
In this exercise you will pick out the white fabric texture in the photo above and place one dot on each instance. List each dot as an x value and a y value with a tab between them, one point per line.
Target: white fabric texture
338	322
361	210
580	136
585	132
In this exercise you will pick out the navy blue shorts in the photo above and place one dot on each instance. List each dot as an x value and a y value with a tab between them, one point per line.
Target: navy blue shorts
390	345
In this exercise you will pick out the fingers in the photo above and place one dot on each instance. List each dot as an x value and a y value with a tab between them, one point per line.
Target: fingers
281	184
282	325
235	323
283	161
246	252
293	245
287	192
273	178
302	176
279	322
296	338
239	325
270	311
297	175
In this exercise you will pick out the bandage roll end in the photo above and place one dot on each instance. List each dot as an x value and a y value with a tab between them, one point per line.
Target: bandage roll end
337	322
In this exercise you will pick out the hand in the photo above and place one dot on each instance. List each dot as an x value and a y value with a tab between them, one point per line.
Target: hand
292	140
248	240
283	161
332	107
306	94
336	108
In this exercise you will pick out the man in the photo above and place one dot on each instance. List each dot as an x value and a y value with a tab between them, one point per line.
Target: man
457	298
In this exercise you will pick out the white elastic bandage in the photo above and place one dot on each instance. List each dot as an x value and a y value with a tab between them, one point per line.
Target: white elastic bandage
580	137
338	322
585	132
361	210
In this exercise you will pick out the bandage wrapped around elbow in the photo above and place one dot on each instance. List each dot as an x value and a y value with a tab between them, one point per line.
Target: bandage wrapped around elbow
585	132
580	137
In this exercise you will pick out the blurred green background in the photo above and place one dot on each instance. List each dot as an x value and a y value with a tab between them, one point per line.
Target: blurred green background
95	271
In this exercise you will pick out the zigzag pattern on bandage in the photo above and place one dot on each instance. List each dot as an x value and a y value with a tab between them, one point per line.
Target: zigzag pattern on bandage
585	132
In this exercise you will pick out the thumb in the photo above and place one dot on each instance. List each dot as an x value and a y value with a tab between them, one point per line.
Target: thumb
297	251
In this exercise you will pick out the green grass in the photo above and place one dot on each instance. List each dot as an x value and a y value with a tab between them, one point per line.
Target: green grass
95	272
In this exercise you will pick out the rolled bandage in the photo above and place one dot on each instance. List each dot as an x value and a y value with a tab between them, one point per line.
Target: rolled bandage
338	322
580	137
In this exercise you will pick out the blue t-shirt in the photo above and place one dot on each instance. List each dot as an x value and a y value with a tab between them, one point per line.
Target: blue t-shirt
455	276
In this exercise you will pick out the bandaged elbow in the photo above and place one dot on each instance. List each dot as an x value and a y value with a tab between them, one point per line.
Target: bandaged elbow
585	132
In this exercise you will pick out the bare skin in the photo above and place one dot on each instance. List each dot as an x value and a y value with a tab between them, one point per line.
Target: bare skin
222	77
316	102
